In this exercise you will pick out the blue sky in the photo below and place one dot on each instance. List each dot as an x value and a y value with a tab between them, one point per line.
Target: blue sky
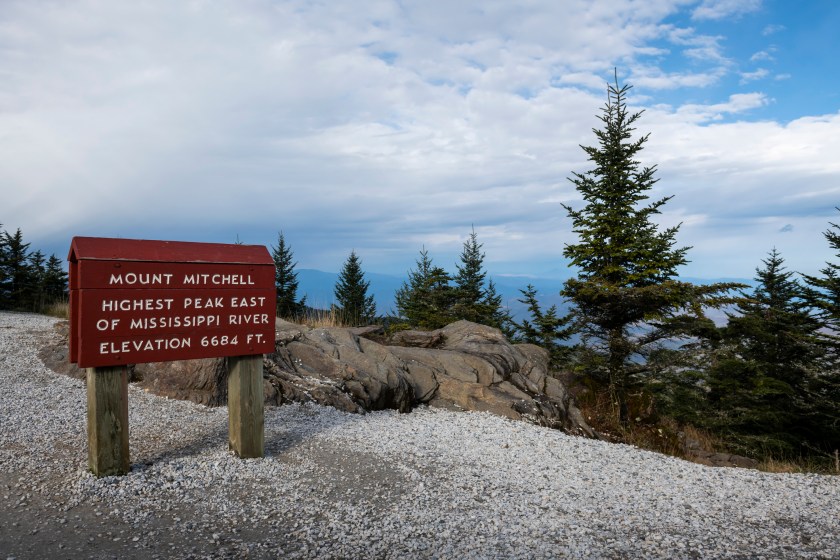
386	126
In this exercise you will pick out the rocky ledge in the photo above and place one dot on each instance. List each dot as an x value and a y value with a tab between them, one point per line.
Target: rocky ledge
463	366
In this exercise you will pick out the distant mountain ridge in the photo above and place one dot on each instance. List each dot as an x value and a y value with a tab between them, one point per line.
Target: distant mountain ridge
319	286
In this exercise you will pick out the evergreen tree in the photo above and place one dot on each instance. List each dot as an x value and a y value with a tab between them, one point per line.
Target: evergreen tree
426	299
545	329
55	279
4	275
626	297
469	282
37	275
496	314
473	301
18	286
823	293
354	305
759	385
285	280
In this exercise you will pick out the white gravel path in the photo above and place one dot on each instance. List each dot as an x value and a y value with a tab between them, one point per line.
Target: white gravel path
429	484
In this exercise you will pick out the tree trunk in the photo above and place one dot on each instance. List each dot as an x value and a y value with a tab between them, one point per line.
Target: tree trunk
618	374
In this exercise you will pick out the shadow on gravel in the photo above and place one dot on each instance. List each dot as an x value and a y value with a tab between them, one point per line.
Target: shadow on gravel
281	440
157	451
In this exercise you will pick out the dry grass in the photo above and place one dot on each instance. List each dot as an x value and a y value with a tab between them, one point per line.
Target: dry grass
646	432
318	318
776	466
823	463
60	309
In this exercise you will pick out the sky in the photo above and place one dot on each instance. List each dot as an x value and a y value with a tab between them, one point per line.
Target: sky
388	126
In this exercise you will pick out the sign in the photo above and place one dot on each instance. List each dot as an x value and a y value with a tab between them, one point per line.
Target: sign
134	301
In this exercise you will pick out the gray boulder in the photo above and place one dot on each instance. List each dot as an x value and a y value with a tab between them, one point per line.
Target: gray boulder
464	366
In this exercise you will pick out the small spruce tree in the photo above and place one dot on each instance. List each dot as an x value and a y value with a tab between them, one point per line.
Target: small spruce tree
55	279
286	281
476	299
425	300
355	306
545	328
18	286
771	352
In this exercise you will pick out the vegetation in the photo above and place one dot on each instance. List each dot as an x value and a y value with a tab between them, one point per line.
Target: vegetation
546	328
426	299
768	356
647	366
431	298
627	298
28	280
286	281
355	306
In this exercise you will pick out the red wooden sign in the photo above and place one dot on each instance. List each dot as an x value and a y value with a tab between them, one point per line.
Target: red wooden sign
135	301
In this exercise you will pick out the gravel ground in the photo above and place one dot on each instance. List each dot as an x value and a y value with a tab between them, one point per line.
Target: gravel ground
429	484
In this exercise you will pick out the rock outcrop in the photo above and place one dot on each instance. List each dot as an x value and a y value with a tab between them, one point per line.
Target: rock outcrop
464	366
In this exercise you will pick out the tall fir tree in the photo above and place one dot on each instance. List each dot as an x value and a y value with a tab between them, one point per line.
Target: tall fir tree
286	281
355	306
425	300
759	385
627	267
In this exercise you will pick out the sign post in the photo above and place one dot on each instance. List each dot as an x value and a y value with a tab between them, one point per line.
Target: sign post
134	301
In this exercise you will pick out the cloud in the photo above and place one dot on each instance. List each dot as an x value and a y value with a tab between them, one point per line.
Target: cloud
762	55
787	228
721	9
737	103
747	77
383	129
772	29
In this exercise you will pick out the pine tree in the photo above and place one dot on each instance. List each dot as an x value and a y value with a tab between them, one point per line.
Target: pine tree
37	275
544	329
426	299
759	385
18	284
354	305
285	281
4	275
469	282
55	279
473	301
496	314
823	294
627	266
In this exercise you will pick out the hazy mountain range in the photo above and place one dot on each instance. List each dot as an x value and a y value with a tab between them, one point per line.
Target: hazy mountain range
319	286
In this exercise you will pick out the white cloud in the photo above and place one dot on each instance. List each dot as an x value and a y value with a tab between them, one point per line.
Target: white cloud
762	55
720	9
379	129
747	77
772	29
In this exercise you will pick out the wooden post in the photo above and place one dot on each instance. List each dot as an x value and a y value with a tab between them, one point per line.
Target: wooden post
245	406
107	420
